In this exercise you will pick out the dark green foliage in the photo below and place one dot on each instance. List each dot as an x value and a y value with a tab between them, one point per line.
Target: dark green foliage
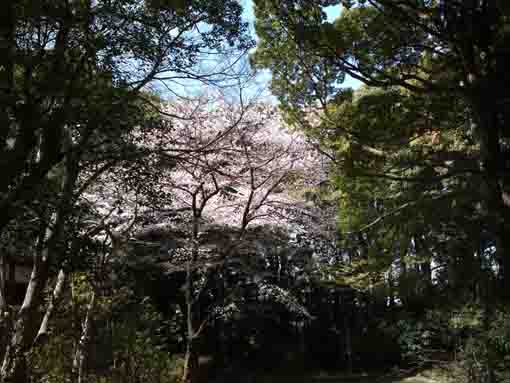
410	270
417	152
72	74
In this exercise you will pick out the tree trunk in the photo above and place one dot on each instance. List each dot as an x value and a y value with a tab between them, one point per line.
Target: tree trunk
5	315
504	258
190	356
14	367
391	289
490	376
424	269
5	331
190	363
496	179
81	353
42	334
348	307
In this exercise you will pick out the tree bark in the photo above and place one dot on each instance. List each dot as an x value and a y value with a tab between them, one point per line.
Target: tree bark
81	353
190	356
14	362
190	363
5	319
14	368
42	334
348	308
495	182
490	376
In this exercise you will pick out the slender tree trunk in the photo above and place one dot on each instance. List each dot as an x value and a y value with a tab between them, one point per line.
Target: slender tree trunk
14	362
5	315
348	307
190	363
42	334
391	289
487	317
3	279
302	339
81	353
425	269
403	285
504	257
5	331
14	367
190	356
496	181
497	204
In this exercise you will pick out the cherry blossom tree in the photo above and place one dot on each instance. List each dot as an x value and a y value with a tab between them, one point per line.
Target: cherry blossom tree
208	175
220	167
239	175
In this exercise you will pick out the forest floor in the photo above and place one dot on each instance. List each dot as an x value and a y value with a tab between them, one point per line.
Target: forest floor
373	379
443	372
426	376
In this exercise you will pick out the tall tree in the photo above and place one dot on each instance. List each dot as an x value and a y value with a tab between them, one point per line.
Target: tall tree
76	67
444	57
72	82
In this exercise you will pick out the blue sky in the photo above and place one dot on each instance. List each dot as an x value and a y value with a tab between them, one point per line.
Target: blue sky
260	88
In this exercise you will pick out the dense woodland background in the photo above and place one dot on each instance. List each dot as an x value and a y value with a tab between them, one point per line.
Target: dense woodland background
162	220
